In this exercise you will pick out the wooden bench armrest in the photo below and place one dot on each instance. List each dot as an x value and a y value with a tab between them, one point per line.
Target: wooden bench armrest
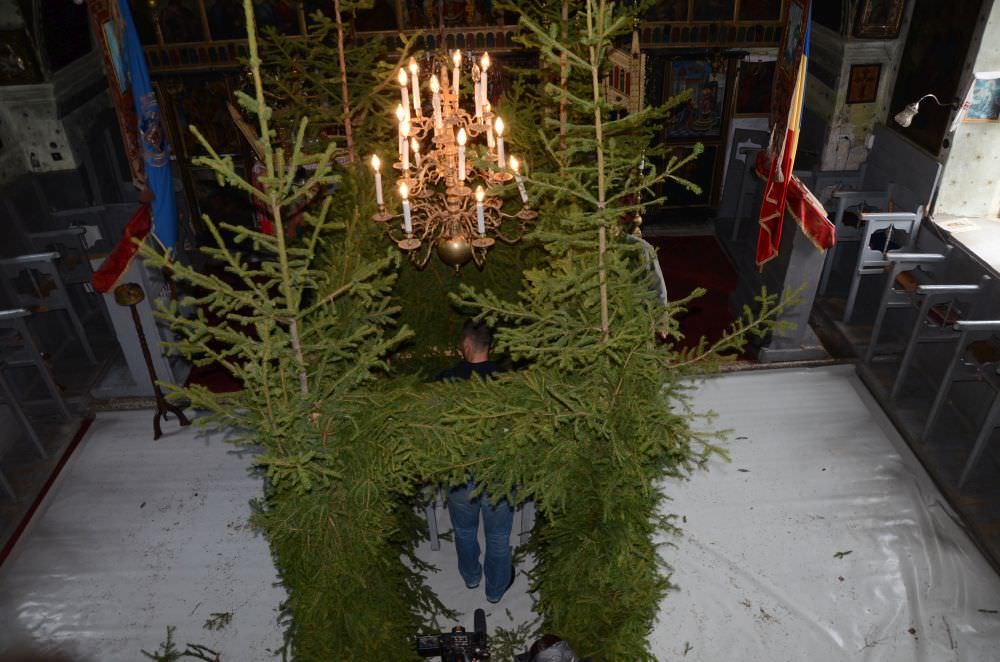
13	313
902	258
946	289
892	216
33	257
978	325
848	194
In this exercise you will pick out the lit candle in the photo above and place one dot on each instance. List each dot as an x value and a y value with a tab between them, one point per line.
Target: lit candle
500	157
400	116
488	108
416	87
461	154
436	91
402	91
514	165
415	147
480	218
404	132
484	64
456	57
376	164
475	90
404	193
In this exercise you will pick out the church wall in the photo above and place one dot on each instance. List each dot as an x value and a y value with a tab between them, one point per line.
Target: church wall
970	185
848	128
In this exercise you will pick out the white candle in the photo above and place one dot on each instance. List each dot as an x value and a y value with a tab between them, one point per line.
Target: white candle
480	218
461	154
500	157
415	146
456	57
484	64
514	165
400	116
376	164
402	91
404	192
436	91
488	108
476	92
415	82
404	131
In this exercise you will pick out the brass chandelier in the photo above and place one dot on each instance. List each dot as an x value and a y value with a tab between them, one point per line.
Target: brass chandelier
452	169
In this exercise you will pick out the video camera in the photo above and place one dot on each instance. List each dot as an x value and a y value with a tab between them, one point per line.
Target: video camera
458	645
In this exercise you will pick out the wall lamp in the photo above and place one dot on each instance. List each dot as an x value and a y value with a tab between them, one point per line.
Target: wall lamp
905	116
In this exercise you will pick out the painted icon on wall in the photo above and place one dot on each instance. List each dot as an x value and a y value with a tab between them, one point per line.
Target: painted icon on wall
110	30
879	19
985	103
760	10
862	85
701	116
792	43
753	91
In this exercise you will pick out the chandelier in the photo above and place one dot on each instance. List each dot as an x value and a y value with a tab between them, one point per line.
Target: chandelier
453	170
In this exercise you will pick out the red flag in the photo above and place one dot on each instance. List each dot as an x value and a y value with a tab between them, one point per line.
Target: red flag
784	138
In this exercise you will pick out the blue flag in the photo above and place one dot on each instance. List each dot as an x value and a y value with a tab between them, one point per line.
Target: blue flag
152	139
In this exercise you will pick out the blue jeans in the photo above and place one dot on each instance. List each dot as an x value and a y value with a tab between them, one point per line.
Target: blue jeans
464	511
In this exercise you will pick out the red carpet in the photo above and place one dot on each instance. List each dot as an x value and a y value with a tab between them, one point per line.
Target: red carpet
691	262
215	378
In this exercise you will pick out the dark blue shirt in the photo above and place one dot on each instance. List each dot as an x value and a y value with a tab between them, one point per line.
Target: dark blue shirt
465	370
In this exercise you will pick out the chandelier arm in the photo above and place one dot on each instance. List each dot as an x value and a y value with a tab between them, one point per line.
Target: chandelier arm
508	241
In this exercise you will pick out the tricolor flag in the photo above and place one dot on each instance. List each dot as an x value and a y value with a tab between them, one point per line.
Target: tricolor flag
784	140
152	140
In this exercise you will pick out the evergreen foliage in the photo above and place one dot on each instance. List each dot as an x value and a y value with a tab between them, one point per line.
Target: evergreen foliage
592	423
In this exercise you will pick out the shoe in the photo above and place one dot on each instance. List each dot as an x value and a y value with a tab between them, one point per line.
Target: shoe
468	585
513	575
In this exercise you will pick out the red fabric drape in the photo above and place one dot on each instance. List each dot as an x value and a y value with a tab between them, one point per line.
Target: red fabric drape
118	261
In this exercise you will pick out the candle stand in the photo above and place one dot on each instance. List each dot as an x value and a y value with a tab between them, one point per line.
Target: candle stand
130	294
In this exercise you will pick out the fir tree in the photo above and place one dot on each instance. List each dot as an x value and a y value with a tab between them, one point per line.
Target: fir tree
597	418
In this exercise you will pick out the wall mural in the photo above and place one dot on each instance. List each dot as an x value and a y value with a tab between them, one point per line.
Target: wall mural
985	103
702	115
879	19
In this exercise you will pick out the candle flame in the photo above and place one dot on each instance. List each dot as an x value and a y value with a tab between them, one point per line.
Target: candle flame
402	77
413	66
400	113
404	190
414	145
404	127
456	57
514	165
499	126
376	164
487	106
480	194
484	62
462	137
435	85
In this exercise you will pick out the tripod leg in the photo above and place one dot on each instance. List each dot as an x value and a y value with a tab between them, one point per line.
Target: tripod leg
176	411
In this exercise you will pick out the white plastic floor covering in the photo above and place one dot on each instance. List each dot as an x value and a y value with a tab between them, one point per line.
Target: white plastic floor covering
823	539
818	473
138	535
